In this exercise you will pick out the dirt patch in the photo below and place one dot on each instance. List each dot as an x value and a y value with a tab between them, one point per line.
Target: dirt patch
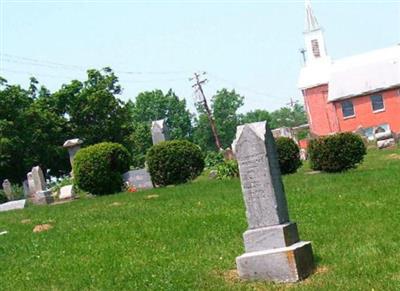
320	270
230	276
152	196
394	157
42	227
25	221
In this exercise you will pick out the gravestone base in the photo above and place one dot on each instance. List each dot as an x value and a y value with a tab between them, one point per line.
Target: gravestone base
270	237
287	264
43	197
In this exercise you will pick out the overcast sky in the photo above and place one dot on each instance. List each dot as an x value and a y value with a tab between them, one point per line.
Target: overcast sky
252	46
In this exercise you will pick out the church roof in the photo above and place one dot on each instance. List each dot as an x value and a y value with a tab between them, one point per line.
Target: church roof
357	75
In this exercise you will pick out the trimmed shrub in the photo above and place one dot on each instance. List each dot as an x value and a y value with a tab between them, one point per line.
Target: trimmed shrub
174	162
336	153
228	169
288	155
98	168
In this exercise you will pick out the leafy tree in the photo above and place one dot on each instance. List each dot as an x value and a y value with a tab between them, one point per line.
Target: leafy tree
29	135
155	105
224	106
289	117
256	116
34	123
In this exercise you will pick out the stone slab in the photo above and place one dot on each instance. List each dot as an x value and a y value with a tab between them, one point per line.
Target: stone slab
43	197
38	178
67	192
288	264
272	237
140	179
12	205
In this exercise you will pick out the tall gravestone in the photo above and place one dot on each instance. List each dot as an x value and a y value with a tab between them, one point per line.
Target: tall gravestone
7	189
159	131
73	146
273	250
38	178
31	185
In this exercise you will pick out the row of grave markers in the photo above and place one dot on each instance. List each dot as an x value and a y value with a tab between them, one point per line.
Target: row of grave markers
273	249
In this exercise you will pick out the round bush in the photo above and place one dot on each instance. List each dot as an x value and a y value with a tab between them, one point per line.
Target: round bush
98	168
336	153
288	155
174	162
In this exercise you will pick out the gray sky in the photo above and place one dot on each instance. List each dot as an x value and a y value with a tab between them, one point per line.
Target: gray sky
252	46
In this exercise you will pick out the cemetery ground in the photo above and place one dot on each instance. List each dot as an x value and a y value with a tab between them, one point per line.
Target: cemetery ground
187	237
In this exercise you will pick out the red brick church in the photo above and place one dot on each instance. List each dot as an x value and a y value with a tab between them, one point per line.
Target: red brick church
349	94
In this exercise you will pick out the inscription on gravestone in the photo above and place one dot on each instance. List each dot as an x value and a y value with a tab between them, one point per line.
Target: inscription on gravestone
273	249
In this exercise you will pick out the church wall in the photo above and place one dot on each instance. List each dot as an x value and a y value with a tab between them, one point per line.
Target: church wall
365	117
321	114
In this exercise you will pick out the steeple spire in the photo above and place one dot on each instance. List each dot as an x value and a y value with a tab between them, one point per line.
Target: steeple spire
314	38
311	21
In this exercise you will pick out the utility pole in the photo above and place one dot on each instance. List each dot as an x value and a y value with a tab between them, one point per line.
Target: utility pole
292	102
199	89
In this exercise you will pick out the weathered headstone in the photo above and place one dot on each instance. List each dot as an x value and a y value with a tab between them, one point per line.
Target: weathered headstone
66	192
38	178
273	250
73	145
7	189
140	179
31	185
37	187
159	131
26	188
43	197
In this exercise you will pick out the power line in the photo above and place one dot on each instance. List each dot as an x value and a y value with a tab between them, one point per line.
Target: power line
50	64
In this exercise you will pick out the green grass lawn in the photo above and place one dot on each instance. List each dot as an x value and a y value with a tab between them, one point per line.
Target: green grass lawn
188	237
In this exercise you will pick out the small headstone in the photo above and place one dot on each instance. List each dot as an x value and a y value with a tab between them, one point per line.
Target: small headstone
273	250
12	205
43	197
31	185
159	131
26	188
66	192
7	189
38	178
140	179
303	154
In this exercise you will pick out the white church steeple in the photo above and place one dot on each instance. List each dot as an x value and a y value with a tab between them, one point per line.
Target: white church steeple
314	38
